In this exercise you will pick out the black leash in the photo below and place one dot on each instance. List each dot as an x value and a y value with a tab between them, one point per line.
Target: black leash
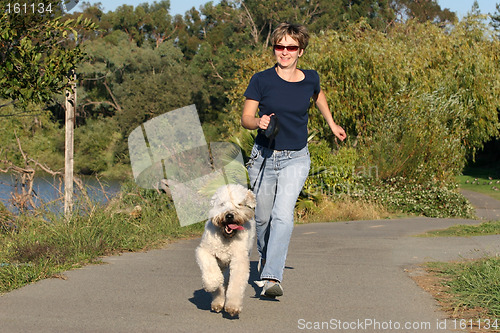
270	132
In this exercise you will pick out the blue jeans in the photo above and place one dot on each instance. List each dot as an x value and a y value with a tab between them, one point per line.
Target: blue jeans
277	186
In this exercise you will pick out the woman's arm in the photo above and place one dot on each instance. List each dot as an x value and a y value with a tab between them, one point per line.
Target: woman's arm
322	105
248	119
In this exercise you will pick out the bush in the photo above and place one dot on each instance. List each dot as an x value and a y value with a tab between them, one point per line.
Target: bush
332	172
364	72
418	99
95	146
408	196
420	138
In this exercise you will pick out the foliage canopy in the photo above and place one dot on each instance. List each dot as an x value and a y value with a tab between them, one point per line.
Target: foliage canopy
37	54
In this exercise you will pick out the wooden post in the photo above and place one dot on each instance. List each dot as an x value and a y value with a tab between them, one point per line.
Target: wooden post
70	106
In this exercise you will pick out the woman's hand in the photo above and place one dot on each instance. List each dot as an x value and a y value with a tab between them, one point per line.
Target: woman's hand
322	105
339	132
248	119
264	121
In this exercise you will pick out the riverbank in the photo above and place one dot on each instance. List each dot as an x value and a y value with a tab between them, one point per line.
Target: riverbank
43	246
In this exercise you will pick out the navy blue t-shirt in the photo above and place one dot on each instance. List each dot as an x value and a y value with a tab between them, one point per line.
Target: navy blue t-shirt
289	101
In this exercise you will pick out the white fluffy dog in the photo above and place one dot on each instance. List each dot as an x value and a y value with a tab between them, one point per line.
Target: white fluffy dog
226	243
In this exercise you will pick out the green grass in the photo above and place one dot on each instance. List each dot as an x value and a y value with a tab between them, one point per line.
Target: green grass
46	245
462	230
482	180
474	284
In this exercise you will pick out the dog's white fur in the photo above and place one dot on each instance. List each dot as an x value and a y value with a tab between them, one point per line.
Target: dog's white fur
220	250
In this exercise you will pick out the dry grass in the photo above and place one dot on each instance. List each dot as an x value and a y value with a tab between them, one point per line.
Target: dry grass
344	209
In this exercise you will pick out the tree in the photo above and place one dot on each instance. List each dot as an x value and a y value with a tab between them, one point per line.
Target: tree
145	23
495	19
423	11
377	12
317	15
37	53
189	32
124	86
95	13
158	22
474	10
475	23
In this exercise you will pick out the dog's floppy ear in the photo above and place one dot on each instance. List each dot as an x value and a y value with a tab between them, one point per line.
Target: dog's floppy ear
250	199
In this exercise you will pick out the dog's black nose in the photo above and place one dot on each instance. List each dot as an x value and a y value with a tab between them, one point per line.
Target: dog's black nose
229	216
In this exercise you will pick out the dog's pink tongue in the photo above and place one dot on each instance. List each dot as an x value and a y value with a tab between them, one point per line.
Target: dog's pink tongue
235	227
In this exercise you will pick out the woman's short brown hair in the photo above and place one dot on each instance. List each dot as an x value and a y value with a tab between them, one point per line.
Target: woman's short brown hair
296	31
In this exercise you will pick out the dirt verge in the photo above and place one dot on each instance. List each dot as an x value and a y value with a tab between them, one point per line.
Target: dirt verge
432	282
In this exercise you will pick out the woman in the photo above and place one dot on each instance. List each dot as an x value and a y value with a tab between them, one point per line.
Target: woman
279	167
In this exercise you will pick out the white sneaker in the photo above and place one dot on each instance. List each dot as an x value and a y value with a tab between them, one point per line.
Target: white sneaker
272	289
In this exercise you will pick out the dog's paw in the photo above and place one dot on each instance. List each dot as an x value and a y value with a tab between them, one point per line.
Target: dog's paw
217	306
232	309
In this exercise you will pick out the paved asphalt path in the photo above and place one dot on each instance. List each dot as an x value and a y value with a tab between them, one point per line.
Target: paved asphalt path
486	207
344	277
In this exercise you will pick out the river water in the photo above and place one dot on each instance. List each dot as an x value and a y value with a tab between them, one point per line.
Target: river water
49	189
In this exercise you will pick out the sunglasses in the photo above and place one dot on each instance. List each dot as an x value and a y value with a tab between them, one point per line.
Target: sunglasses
290	48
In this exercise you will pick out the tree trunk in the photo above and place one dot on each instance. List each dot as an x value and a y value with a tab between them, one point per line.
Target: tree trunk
70	106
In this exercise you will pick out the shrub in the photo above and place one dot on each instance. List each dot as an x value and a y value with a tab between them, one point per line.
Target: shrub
95	146
420	138
363	72
408	196
332	171
418	99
